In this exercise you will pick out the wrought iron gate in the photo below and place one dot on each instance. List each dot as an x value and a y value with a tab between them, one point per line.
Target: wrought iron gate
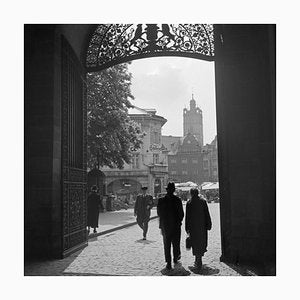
74	212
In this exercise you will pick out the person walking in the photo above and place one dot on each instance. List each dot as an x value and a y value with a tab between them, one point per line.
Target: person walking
197	223
93	206
170	212
142	210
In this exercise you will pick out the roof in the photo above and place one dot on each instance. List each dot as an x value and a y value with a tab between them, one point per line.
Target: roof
170	141
137	113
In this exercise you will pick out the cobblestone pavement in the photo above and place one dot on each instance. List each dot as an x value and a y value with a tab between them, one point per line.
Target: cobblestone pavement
123	252
115	219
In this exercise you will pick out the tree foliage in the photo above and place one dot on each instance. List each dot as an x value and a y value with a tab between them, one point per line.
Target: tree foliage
111	132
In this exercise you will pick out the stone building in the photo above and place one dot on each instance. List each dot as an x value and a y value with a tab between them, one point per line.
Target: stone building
210	161
149	164
185	163
188	158
193	121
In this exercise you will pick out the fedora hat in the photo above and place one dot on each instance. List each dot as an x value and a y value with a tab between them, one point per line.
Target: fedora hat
171	186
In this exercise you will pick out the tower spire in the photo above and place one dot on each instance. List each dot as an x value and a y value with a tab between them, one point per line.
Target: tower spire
192	103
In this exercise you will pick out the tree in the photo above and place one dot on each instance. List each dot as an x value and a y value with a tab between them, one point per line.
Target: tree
111	132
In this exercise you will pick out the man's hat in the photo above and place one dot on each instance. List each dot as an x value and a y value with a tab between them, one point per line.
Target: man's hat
144	188
171	186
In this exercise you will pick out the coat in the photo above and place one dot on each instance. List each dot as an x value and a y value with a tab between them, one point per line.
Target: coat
170	212
142	207
93	204
197	223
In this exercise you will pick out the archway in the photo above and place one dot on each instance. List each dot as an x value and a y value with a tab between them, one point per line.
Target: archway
55	60
123	187
116	43
112	44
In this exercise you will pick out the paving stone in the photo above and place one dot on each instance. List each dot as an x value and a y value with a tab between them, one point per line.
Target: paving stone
123	252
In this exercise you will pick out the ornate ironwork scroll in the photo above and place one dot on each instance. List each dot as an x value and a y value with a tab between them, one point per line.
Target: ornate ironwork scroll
73	152
115	43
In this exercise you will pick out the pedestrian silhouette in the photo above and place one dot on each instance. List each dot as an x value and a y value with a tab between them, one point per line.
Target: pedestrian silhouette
170	212
197	223
142	210
94	205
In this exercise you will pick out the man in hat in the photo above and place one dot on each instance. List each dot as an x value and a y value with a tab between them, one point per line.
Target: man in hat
170	212
142	210
93	205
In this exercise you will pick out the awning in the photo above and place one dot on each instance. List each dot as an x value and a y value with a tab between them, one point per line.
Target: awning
211	186
189	184
184	188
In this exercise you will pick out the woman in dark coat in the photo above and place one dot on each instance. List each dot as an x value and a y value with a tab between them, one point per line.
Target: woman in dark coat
197	223
93	205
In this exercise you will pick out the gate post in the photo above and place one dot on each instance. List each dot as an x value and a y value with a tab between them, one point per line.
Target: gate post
245	101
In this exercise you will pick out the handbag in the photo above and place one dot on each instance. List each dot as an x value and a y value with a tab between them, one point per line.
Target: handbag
188	243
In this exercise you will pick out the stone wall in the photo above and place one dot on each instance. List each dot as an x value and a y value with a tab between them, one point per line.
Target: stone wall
245	93
39	108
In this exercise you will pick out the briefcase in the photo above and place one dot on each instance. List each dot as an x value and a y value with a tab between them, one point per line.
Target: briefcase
188	243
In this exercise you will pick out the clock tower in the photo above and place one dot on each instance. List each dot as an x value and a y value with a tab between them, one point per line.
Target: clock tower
193	121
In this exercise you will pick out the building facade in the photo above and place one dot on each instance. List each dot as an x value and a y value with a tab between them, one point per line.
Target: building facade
149	165
188	158
210	161
186	163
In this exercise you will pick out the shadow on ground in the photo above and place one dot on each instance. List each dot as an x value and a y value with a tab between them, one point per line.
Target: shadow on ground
178	270
144	241
247	270
205	270
49	267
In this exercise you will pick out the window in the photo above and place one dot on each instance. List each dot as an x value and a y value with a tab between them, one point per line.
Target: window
195	161
205	164
184	172
173	172
184	161
135	161
173	160
155	158
156	137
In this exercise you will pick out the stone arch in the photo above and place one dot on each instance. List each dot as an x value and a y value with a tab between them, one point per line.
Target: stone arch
112	44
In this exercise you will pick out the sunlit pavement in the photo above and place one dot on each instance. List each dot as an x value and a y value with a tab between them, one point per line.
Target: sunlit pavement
123	252
112	220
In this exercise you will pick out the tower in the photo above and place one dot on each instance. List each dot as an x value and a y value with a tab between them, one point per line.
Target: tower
193	121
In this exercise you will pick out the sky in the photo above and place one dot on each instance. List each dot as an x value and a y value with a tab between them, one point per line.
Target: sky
167	84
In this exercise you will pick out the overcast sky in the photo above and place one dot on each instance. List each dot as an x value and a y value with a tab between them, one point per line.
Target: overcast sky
167	83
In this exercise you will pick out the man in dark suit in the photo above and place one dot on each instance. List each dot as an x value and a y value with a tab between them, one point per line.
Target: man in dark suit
170	212
142	210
